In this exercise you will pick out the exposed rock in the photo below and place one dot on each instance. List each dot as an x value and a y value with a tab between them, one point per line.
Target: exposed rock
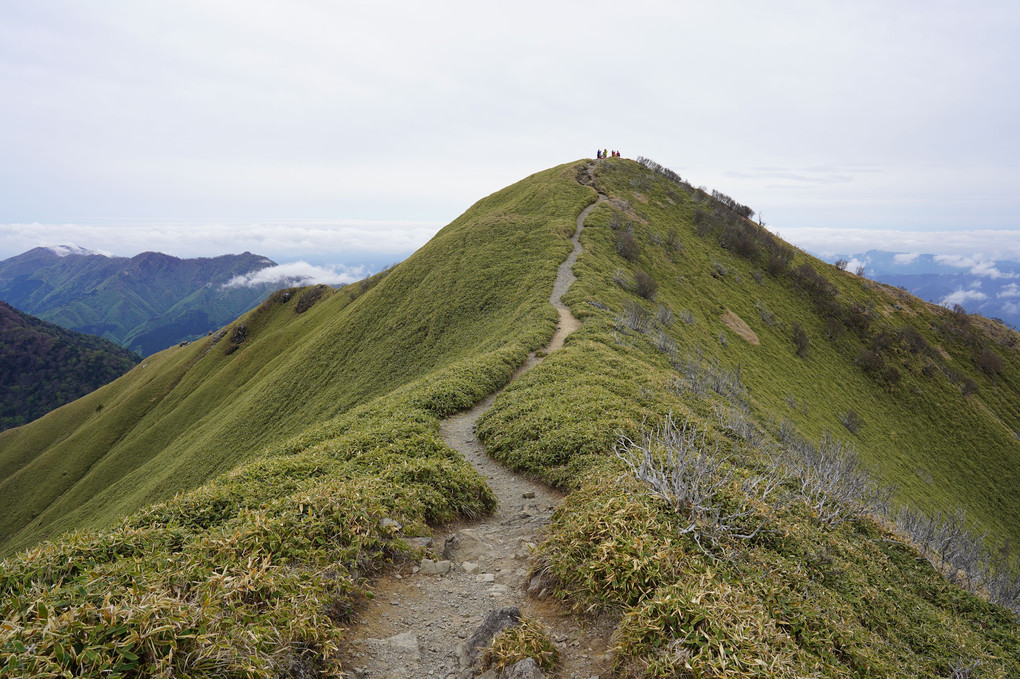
466	545
485	577
498	590
528	495
389	525
495	622
522	669
430	567
539	582
469	567
420	543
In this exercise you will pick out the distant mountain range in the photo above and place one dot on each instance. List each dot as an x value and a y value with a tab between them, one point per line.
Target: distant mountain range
44	366
146	303
980	285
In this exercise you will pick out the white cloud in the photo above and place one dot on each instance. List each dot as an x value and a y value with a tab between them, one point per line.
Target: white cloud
1011	290
65	250
959	247
296	274
855	264
962	296
865	113
906	258
281	240
978	265
1012	308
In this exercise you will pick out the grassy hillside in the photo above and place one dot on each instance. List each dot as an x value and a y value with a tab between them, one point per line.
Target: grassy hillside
705	344
190	413
43	366
692	588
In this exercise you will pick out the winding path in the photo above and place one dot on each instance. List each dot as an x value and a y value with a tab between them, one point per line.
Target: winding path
418	623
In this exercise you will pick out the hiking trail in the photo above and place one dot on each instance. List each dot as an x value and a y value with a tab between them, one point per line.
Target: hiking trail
424	614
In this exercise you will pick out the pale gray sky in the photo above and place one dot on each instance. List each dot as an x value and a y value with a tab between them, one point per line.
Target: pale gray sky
349	131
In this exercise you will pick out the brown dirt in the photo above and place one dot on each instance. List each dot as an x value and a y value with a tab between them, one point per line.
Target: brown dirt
417	624
737	325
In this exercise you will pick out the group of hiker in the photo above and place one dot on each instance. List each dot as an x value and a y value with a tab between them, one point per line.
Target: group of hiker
605	153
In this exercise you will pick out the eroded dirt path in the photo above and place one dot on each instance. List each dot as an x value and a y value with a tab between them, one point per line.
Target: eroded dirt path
423	613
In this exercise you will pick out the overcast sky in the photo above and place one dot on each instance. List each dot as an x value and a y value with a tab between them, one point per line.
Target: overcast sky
347	133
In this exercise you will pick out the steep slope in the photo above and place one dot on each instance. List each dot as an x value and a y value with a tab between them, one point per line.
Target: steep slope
146	303
700	416
189	413
43	366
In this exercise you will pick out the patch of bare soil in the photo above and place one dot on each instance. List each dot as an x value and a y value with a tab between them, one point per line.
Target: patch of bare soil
737	325
424	614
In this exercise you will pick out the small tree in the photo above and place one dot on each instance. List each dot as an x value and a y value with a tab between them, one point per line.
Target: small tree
645	285
801	341
627	246
841	264
989	361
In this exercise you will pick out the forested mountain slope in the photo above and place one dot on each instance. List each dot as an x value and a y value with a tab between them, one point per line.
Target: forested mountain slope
147	302
43	366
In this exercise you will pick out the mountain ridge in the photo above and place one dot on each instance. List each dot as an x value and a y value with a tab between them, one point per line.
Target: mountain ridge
146	303
791	562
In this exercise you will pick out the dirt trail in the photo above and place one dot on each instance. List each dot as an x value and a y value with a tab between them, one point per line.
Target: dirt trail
423	614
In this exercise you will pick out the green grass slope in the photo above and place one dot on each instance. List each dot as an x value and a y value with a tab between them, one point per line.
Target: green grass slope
190	413
775	571
757	581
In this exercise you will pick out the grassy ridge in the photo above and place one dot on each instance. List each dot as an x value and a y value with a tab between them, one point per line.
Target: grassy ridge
765	606
194	412
256	572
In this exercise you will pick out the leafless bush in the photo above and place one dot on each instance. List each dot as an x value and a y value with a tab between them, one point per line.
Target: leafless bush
989	361
723	340
686	316
965	669
627	246
681	468
673	243
860	270
664	315
963	555
597	304
841	264
700	376
620	278
952	547
767	317
665	344
851	420
645	285
635	317
969	387
737	422
801	341
834	328
832	480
